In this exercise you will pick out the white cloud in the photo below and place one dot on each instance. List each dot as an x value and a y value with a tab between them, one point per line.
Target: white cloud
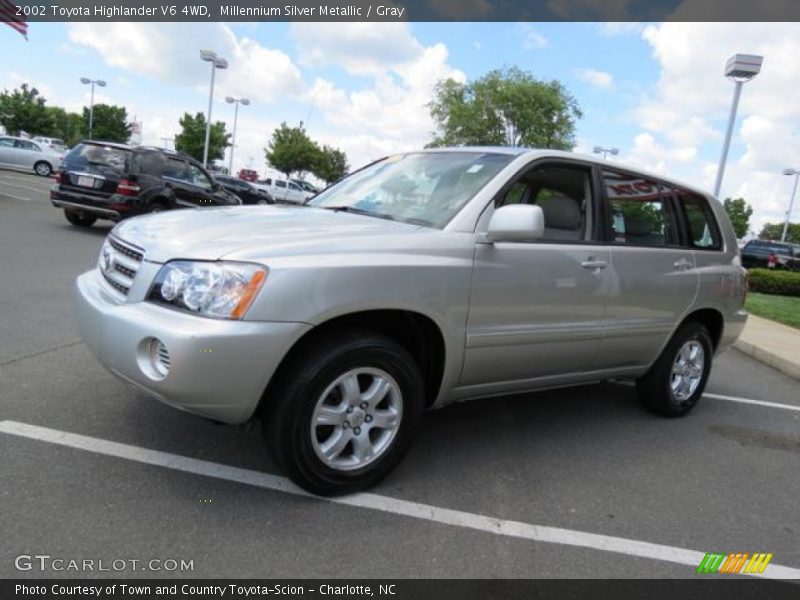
689	106
532	39
359	48
169	52
593	77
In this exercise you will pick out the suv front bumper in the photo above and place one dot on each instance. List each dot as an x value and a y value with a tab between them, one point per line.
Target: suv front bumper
217	368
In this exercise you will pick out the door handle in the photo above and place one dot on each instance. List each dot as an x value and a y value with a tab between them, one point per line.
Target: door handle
682	264
594	264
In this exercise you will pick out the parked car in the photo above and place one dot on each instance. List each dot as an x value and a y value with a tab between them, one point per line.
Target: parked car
56	144
25	155
756	253
248	175
308	189
248	192
102	180
283	190
422	279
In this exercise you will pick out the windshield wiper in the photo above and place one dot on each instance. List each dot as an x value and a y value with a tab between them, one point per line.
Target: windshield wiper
388	217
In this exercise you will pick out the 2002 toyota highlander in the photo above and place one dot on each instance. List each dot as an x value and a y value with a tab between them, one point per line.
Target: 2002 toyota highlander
422	279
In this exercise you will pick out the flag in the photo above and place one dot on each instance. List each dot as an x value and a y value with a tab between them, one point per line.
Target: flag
8	15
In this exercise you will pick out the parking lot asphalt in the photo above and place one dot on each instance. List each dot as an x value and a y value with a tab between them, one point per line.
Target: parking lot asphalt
567	483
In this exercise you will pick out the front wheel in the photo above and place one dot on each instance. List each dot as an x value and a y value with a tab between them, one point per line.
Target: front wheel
676	381
343	412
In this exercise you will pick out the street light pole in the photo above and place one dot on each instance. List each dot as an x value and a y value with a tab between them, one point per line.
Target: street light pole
235	102
740	69
216	63
606	151
796	174
92	82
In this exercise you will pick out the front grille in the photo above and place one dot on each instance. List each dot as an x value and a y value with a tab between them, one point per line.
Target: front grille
118	264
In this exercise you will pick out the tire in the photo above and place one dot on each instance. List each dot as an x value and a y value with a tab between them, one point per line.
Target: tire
657	391
79	219
156	207
262	201
315	381
43	169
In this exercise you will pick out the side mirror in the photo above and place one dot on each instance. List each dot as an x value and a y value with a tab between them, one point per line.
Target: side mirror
516	223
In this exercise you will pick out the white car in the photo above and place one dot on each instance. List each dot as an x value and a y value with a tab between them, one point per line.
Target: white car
26	155
56	144
283	190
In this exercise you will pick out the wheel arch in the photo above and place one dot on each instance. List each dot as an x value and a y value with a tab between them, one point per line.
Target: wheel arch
420	335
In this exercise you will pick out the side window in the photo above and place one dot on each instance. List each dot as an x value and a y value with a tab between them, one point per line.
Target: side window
280	184
639	210
198	177
6	143
176	169
703	231
564	194
294	187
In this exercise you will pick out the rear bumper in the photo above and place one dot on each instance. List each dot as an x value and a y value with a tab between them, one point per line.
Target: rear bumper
113	207
732	329
218	369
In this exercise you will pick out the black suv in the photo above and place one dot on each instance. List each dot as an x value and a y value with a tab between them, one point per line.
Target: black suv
101	180
756	254
248	192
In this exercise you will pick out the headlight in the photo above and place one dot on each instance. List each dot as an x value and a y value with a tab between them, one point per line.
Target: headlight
224	290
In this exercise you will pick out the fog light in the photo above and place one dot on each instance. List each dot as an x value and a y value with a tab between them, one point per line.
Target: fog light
159	357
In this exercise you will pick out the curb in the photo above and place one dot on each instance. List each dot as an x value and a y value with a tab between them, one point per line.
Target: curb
787	367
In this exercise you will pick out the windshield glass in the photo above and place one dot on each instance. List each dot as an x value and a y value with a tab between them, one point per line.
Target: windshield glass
426	188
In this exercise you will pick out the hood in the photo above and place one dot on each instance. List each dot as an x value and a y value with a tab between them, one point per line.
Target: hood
250	231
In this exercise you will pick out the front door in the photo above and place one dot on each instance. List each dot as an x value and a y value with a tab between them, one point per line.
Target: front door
536	308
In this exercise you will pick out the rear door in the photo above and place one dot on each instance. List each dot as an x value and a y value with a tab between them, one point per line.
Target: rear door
653	275
6	151
94	170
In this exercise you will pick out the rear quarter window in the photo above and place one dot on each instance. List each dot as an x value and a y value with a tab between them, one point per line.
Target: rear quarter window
88	155
702	229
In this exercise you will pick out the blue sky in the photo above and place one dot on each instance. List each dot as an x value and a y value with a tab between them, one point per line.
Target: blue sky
654	91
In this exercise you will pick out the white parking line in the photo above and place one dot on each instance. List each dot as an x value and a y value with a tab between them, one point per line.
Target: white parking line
749	401
24	187
2	193
426	512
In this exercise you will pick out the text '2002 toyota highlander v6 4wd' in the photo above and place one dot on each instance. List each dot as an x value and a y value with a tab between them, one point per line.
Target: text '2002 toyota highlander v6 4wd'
422	279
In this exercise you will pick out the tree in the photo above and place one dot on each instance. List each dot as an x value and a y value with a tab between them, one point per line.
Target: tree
110	123
192	137
331	164
739	212
508	107
65	125
290	150
23	109
773	231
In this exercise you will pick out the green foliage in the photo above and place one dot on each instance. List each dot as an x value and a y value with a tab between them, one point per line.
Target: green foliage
770	281
290	150
739	212
110	123
508	107
23	109
773	231
65	125
330	165
192	137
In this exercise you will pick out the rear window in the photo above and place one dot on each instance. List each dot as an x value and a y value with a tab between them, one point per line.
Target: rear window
87	155
703	230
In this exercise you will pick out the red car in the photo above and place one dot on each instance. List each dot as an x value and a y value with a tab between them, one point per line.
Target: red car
248	175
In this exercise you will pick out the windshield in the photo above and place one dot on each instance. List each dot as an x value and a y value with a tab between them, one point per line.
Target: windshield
426	187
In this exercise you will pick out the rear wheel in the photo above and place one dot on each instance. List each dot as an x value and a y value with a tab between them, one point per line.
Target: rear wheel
676	381
80	219
343	412
43	169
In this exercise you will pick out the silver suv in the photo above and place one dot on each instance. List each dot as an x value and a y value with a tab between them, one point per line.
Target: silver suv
422	279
